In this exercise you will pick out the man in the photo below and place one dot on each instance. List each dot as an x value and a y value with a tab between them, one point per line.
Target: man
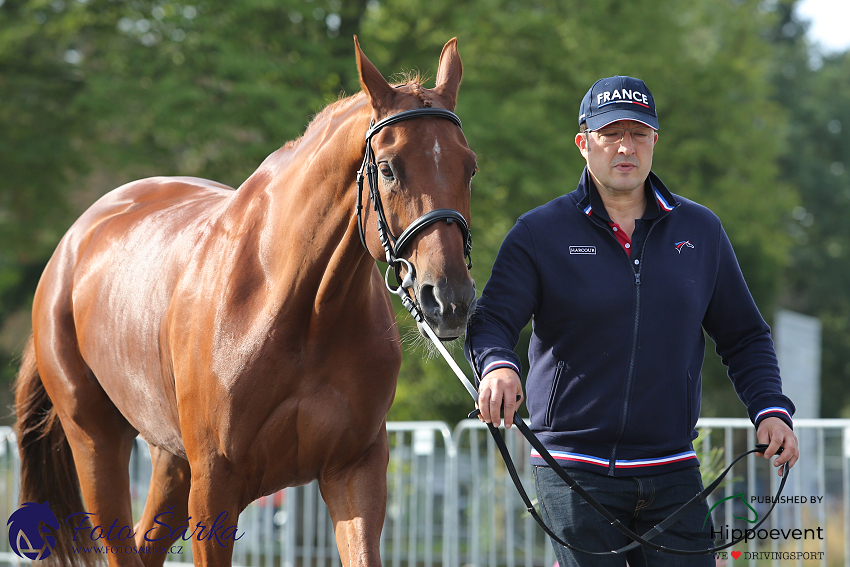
621	277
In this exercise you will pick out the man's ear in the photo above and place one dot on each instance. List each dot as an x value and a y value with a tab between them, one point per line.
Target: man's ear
581	143
381	94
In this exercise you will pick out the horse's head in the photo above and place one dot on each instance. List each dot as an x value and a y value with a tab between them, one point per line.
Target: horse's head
422	164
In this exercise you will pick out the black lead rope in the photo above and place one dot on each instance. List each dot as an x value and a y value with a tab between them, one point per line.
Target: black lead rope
637	540
369	170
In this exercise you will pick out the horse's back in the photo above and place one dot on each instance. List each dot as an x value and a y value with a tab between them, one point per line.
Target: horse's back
144	205
114	274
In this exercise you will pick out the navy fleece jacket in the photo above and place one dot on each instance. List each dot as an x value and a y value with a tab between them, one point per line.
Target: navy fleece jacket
617	347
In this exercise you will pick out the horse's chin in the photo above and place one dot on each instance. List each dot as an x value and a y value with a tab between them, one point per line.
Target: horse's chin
446	330
445	335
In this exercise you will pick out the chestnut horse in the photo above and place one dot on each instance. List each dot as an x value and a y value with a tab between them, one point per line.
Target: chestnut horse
247	334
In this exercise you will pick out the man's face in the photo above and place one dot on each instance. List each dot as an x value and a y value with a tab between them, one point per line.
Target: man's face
623	166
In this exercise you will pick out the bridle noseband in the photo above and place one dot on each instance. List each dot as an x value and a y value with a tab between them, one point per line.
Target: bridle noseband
394	246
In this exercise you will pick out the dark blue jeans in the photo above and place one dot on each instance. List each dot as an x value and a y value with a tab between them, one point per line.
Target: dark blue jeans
639	503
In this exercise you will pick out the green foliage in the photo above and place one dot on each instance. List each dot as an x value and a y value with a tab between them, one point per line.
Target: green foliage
817	162
38	154
711	461
211	89
528	66
94	93
427	388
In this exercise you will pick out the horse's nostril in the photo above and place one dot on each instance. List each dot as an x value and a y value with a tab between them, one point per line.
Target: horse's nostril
443	302
429	301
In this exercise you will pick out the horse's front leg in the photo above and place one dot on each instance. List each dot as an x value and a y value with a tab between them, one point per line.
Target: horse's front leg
356	496
216	499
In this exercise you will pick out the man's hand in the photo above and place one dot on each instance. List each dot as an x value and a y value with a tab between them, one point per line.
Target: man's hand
499	387
776	433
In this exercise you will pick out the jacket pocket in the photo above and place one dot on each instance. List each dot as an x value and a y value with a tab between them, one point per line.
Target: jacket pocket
693	394
547	421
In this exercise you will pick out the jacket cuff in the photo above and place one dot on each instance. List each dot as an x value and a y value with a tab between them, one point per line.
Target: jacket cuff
498	358
781	411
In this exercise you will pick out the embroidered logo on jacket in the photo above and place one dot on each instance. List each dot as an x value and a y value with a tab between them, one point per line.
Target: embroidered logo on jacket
582	249
682	244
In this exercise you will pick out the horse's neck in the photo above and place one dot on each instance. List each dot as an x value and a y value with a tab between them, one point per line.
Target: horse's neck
299	208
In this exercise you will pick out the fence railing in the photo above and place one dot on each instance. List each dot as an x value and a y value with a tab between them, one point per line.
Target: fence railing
451	503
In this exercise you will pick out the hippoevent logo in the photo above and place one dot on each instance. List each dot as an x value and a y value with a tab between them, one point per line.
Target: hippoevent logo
724	533
739	496
29	540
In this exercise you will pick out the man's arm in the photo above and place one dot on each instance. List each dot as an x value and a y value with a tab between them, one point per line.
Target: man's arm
509	300
744	343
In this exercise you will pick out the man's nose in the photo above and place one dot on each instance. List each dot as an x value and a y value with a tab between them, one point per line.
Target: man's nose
627	145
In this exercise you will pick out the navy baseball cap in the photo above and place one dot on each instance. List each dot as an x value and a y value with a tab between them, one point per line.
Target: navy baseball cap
617	98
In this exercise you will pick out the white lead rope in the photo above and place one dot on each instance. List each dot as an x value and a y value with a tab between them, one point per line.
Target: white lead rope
413	309
460	375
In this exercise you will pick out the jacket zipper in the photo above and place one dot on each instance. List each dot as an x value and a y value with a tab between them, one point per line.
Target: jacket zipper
548	421
688	389
632	361
631	375
633	358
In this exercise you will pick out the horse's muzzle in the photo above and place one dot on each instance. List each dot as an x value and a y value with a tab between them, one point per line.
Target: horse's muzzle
447	307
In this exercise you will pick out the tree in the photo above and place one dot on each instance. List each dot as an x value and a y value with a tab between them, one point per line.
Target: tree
100	92
39	153
814	88
528	64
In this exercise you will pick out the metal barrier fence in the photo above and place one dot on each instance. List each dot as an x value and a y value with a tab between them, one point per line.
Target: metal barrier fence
451	502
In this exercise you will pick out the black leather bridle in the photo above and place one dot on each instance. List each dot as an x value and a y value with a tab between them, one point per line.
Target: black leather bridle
394	246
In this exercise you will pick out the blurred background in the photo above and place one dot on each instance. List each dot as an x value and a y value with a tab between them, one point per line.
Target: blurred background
752	107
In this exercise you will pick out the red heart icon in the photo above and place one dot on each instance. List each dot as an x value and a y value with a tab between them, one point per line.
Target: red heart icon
735	554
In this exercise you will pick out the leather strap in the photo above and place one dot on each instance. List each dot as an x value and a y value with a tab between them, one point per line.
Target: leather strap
637	540
448	215
393	247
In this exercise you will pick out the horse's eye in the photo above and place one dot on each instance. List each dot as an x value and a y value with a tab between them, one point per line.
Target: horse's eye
386	171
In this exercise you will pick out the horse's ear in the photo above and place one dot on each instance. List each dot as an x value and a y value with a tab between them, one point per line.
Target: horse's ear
379	91
449	73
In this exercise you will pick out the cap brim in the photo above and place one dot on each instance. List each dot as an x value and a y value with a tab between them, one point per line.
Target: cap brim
606	118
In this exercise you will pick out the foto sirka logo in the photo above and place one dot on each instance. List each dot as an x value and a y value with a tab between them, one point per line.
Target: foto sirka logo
25	532
33	529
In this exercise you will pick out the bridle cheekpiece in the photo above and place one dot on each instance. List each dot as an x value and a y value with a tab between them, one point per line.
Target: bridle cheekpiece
394	246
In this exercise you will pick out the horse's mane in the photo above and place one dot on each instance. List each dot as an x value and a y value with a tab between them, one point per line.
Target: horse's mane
408	82
411	82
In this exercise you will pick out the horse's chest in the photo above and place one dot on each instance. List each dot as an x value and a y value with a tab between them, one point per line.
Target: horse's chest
300	408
